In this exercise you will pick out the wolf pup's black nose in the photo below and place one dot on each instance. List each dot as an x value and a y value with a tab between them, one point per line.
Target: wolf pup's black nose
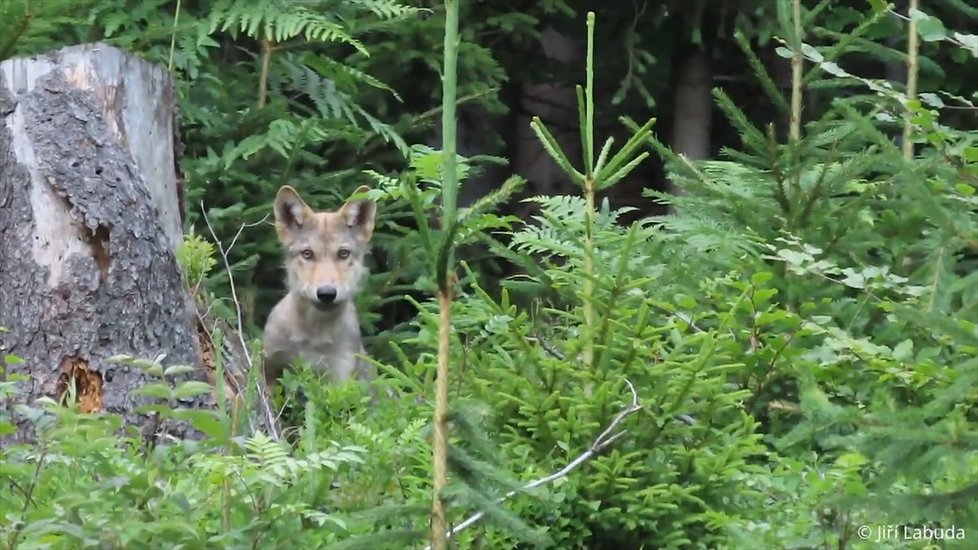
326	294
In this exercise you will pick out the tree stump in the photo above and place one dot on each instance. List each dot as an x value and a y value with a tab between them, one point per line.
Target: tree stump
90	217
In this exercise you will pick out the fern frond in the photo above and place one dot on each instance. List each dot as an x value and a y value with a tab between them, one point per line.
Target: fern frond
278	21
332	102
707	234
266	451
332	69
391	9
283	136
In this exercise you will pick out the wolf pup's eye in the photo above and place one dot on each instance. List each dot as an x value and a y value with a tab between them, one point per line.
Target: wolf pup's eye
306	254
343	253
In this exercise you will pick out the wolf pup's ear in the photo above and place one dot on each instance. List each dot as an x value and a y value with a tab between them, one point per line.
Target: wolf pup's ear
359	214
291	212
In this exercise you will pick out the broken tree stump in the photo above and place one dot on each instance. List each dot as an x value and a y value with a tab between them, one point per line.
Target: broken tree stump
90	216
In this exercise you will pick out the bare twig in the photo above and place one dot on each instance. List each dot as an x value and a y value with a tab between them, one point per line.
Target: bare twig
600	443
28	498
263	401
547	346
684	317
909	19
227	266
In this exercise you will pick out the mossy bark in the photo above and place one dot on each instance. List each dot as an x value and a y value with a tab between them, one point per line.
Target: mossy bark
90	216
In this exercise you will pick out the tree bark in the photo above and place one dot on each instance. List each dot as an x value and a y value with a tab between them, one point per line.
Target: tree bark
693	113
89	221
556	104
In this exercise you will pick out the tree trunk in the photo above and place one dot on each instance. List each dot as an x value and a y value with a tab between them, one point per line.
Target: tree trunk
693	113
556	105
89	221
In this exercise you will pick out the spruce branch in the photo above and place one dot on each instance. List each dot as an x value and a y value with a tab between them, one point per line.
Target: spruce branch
550	145
600	443
762	74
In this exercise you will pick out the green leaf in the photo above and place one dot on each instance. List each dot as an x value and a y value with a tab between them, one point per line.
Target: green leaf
811	53
611	179
191	388
159	391
622	163
904	350
964	189
879	5
833	69
968	41
204	421
854	279
177	370
932	100
794	257
761	277
930	28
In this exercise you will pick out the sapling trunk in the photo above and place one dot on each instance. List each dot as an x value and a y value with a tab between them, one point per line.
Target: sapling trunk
597	174
588	303
439	522
912	70
797	64
173	36
266	58
587	145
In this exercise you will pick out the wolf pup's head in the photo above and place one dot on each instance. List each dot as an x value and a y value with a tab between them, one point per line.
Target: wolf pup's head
324	250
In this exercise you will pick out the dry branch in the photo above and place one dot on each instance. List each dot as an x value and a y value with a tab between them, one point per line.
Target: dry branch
240	374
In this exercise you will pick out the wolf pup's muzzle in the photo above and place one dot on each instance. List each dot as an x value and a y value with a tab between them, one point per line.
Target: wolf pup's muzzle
326	295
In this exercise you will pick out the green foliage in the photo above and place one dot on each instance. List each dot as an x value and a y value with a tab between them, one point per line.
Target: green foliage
195	255
879	306
88	480
653	485
800	332
591	292
98	487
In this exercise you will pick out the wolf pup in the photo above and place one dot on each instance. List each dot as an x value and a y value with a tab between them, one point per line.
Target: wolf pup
317	320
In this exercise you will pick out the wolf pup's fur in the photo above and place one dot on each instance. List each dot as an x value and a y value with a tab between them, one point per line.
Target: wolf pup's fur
317	320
